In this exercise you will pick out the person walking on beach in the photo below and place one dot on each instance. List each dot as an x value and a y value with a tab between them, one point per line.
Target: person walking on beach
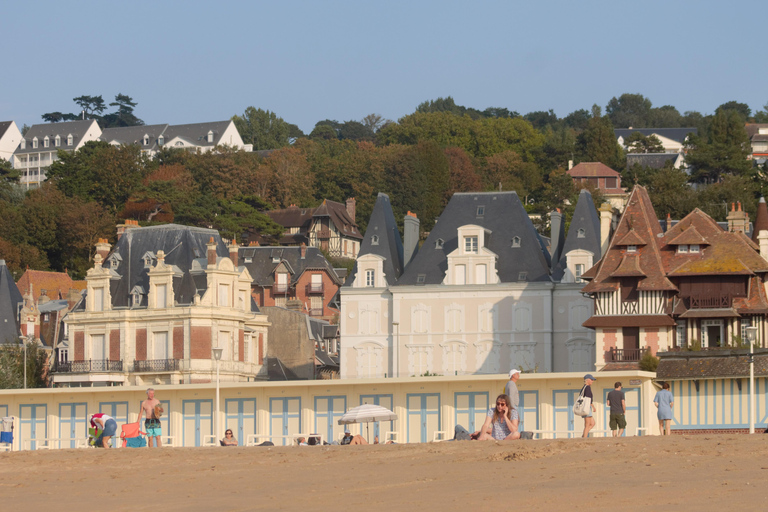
618	405
664	401
514	395
108	427
589	420
152	409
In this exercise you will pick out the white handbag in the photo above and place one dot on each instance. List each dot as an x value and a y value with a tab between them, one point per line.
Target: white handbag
583	404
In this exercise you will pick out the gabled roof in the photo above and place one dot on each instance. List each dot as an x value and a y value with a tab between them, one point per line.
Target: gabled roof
55	284
586	222
197	133
260	264
382	238
504	217
676	134
134	135
339	216
185	249
631	238
688	237
77	129
10	299
591	170
640	217
4	125
292	217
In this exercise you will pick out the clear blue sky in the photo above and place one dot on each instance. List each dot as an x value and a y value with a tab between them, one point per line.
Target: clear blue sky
196	61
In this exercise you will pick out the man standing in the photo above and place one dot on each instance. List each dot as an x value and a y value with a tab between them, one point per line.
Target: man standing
152	409
514	396
618	406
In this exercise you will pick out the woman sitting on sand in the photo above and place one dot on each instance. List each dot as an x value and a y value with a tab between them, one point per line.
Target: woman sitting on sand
498	423
229	439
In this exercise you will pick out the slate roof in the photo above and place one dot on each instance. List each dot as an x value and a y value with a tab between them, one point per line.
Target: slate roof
504	218
4	125
264	261
753	128
276	370
387	242
10	299
78	129
55	284
584	218
135	135
185	248
710	364
639	225
653	160
676	134
197	133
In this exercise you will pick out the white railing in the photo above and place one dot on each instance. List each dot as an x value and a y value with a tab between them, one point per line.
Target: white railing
54	443
568	433
439	435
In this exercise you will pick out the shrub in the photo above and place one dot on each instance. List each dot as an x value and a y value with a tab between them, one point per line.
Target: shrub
649	362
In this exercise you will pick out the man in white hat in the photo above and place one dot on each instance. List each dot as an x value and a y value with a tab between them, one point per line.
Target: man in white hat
514	396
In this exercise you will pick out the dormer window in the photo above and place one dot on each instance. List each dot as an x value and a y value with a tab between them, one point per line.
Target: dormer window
421	278
34	143
46	142
148	258
439	243
581	233
57	141
23	144
136	296
480	211
210	136
160	140
370	278
579	272
522	276
631	248
693	248
470	244
375	240
682	249
516	241
146	140
70	140
113	261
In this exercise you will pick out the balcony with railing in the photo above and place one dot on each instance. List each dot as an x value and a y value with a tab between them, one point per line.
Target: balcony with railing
626	355
89	366
711	302
157	365
315	288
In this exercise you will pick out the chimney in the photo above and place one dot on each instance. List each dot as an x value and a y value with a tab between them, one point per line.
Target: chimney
233	250
160	257
762	240
122	228
211	252
669	222
351	208
555	221
254	243
303	250
103	247
606	219
737	219
570	164
410	237
294	305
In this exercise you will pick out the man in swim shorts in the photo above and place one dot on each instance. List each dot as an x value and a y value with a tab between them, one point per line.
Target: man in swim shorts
149	407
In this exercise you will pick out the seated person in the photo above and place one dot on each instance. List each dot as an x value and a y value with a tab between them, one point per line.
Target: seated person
313	440
499	424
229	439
302	441
347	437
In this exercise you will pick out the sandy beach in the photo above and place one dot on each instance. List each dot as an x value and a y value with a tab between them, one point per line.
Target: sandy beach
701	472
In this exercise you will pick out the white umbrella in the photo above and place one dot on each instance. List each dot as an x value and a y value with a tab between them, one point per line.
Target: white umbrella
367	413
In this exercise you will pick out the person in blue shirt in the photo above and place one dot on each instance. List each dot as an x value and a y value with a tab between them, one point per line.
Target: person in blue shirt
664	401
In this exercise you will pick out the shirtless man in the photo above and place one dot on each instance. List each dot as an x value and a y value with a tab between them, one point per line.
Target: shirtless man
152	422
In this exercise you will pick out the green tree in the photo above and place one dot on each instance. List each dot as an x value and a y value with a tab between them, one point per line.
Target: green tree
12	366
448	105
725	151
717	198
264	129
124	115
541	119
91	106
355	130
740	108
639	143
629	110
670	192
598	144
665	117
56	117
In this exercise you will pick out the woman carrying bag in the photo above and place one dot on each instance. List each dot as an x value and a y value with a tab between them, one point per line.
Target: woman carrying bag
584	406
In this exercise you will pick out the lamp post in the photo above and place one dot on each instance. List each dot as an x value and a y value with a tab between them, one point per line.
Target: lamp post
397	346
217	356
752	337
24	342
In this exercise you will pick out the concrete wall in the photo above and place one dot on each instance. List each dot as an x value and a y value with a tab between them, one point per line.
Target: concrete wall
290	341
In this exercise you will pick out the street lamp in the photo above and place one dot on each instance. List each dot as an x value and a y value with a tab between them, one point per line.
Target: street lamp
24	342
397	345
752	337
217	356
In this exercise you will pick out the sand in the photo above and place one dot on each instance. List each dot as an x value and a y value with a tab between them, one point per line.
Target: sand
697	472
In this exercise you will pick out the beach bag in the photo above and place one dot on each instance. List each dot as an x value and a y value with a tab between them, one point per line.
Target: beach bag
583	404
136	442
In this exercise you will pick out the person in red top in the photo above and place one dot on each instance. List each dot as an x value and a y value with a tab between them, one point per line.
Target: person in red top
108	427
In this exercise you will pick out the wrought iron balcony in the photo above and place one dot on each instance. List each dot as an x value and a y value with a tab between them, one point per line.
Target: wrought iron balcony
626	355
315	288
90	366
157	365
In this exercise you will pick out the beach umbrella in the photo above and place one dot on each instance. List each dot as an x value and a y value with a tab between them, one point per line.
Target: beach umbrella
367	413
